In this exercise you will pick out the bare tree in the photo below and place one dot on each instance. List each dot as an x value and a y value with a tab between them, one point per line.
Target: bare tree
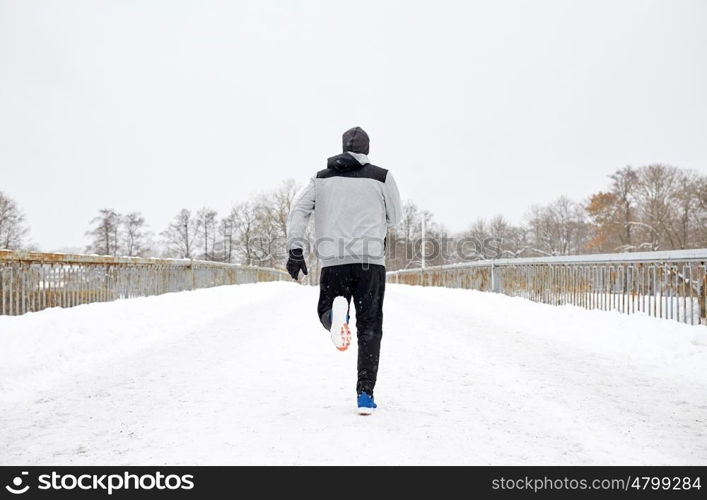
688	228
226	229
700	219
134	235
403	245
624	187
474	240
558	229
268	243
12	224
105	232
656	188
206	224
402	242
271	212
279	204
181	234
492	239
506	240
243	217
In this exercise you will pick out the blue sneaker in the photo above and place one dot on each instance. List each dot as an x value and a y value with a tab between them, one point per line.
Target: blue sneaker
366	405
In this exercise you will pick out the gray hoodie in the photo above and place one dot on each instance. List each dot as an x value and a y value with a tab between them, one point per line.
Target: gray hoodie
353	203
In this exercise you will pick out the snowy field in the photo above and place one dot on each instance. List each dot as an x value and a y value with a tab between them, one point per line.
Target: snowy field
245	375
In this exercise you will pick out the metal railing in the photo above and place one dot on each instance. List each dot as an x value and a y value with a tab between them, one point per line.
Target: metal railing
32	281
670	284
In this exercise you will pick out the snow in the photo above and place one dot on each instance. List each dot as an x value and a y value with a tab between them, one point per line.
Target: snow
245	375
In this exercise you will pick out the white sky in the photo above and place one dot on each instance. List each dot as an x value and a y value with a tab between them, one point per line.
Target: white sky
478	108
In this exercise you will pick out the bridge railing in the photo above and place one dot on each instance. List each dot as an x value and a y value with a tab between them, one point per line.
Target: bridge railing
670	284
32	281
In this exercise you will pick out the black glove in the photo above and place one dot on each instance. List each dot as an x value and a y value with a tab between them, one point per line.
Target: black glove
295	263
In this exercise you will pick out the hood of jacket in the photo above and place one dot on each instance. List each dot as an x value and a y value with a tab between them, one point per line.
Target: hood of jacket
346	162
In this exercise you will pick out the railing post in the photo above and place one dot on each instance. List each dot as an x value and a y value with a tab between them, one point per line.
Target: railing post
494	278
702	300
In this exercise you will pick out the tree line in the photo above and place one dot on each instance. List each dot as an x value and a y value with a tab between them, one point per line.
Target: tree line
655	207
253	232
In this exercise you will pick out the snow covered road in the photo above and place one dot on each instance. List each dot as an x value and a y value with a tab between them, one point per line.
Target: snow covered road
245	375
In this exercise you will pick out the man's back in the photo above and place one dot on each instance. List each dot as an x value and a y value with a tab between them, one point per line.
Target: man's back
350	216
353	202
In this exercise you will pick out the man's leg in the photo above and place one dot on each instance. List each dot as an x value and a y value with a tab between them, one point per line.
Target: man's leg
368	292
334	281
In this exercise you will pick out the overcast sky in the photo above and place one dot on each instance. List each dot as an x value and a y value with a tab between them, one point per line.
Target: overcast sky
477	107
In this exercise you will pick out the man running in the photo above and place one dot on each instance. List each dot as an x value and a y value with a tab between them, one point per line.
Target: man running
354	203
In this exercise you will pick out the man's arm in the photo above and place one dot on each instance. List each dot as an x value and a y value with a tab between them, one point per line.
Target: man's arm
302	208
393	209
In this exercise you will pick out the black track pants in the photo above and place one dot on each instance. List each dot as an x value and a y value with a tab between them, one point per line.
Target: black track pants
365	283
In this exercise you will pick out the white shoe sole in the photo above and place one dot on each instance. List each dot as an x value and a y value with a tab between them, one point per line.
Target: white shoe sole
366	411
340	332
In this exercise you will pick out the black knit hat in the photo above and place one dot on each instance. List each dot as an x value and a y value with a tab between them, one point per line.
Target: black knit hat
356	140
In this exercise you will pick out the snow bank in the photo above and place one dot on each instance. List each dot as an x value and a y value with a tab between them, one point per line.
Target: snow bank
40	346
675	348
